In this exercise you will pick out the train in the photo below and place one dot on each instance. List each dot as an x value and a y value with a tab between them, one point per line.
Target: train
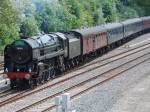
35	60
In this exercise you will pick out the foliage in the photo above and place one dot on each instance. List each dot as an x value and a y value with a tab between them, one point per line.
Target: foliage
8	22
28	27
28	23
125	10
28	17
144	5
109	10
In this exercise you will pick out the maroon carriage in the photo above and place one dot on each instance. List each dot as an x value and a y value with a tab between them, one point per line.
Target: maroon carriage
92	39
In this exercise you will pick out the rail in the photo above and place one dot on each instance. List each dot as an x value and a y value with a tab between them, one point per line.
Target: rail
113	75
108	75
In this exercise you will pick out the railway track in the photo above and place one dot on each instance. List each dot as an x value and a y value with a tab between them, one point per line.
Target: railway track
4	92
8	95
120	71
28	92
103	77
8	92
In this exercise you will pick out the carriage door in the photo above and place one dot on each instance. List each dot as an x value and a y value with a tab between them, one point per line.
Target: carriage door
94	42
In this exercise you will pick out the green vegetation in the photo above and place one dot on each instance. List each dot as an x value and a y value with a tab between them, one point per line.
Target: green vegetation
28	17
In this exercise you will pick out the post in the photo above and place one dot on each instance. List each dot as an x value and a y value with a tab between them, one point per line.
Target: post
58	103
65	102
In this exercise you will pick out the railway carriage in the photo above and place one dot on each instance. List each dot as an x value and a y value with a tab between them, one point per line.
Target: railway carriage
115	33
132	27
146	24
92	39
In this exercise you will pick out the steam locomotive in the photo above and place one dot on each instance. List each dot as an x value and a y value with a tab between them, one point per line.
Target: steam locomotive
36	59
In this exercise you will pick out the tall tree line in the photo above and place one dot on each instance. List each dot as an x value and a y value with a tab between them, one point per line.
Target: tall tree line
28	17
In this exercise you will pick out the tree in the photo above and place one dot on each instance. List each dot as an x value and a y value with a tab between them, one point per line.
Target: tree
144	5
109	10
53	16
28	17
28	23
29	27
126	9
9	19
